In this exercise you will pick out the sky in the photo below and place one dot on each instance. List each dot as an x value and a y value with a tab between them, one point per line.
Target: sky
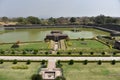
59	8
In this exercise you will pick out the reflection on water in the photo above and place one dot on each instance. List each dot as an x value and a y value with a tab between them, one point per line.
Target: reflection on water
38	35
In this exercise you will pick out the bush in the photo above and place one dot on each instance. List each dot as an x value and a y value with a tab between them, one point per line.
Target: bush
60	78
114	53
24	52
69	53
15	46
28	62
113	62
58	64
43	62
13	52
85	62
82	39
35	52
1	61
91	53
99	62
2	52
80	53
58	53
36	77
20	67
103	53
71	62
46	53
15	61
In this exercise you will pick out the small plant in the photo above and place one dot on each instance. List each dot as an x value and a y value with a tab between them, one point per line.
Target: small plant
15	61
1	61
71	62
113	62
85	62
28	62
99	62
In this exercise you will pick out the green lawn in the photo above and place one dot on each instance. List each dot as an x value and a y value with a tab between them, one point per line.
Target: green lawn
86	44
39	45
7	73
91	71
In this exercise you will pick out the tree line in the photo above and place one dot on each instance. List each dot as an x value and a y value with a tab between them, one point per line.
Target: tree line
100	19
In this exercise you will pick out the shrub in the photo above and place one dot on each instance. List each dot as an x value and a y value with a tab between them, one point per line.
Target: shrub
35	52
46	53
24	52
99	62
58	53
113	62
80	53
1	61
20	67
82	39
60	78
28	62
15	61
15	46
2	52
43	62
103	53
69	53
37	77
13	52
85	62
71	62
114	53
58	64
91	53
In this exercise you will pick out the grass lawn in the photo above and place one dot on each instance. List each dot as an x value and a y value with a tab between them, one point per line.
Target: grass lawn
91	71
7	73
86	44
39	45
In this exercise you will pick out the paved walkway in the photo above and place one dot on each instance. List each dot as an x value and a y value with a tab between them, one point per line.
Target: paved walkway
58	58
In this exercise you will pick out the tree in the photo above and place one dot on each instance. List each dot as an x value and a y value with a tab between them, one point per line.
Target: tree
35	52
100	19
21	20
71	62
33	20
72	20
2	52
58	53
5	19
